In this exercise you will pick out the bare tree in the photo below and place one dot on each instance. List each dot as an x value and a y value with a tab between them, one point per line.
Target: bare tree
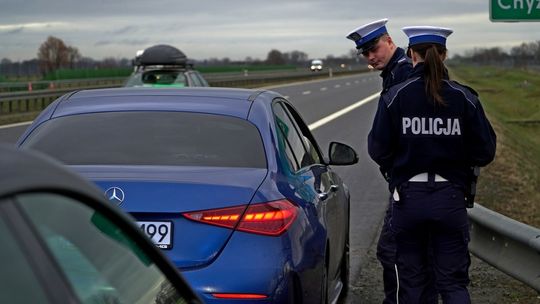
275	57
52	54
295	57
73	56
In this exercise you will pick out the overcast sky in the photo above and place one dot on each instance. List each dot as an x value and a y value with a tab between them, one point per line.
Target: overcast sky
238	28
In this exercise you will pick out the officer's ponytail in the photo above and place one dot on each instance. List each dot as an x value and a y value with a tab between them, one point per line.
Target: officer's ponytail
434	69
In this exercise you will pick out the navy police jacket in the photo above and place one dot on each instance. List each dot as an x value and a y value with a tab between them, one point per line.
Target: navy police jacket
412	135
397	70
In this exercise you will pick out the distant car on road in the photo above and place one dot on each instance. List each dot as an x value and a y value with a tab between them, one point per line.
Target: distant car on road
316	65
63	242
229	183
164	66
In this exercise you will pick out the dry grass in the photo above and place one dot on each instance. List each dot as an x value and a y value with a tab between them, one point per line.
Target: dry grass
510	184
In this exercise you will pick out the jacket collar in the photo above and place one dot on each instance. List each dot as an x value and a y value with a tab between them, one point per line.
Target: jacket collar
398	54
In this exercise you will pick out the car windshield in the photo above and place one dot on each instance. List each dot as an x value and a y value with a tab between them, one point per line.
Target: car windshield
150	138
158	78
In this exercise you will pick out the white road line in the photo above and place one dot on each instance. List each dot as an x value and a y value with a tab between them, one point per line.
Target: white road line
348	83
356	81
329	118
306	92
337	86
324	89
286	97
16	125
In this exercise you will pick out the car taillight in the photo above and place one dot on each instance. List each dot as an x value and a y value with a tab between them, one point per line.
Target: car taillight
272	218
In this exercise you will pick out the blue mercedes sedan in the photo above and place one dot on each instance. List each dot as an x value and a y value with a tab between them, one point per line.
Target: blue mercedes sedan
229	183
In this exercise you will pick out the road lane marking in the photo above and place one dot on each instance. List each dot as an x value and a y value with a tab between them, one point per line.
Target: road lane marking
324	89
306	92
348	83
16	125
337	86
329	118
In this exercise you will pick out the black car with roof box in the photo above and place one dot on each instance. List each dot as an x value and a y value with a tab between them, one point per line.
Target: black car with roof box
164	66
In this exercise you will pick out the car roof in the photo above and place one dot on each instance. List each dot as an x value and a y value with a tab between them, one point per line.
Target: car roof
224	101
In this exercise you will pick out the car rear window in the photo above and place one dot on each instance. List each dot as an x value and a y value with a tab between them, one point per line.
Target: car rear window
150	138
158	78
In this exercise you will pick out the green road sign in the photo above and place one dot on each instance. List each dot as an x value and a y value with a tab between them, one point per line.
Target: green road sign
514	10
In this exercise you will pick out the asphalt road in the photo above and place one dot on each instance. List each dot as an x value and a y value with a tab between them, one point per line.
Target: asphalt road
316	100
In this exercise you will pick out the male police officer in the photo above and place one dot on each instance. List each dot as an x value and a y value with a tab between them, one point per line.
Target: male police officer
375	44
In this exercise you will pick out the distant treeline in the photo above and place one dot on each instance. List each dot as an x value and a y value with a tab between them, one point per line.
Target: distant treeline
526	54
56	60
82	73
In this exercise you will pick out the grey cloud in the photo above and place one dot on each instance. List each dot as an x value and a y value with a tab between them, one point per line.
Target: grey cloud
125	30
129	42
15	31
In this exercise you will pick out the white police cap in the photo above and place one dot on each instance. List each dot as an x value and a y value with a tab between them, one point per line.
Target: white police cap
367	33
427	34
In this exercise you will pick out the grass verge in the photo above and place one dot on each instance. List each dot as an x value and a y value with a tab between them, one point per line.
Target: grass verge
511	99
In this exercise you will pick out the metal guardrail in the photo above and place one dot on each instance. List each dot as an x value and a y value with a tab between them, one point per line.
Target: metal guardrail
41	85
506	244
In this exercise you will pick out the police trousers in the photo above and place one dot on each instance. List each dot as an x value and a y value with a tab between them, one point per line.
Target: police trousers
431	228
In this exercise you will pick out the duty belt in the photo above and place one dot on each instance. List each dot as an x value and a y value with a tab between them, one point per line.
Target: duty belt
424	177
421	178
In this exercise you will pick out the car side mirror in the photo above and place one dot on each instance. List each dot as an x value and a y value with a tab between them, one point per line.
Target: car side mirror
341	154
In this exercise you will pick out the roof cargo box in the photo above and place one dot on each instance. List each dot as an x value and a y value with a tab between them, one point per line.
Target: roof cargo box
161	54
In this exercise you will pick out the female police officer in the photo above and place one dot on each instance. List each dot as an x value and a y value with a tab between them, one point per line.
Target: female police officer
428	132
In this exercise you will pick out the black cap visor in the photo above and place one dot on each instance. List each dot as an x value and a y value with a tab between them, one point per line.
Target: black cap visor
368	46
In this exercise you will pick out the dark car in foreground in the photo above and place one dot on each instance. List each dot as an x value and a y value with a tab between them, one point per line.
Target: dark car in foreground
229	183
164	66
63	242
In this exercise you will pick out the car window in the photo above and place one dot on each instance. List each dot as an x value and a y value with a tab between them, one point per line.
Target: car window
290	132
203	81
101	262
150	138
307	137
284	144
158	78
18	283
196	82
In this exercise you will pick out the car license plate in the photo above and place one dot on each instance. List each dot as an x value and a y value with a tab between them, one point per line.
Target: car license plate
159	232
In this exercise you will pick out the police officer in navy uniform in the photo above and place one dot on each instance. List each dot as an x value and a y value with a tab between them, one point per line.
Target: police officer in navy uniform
429	131
377	47
375	44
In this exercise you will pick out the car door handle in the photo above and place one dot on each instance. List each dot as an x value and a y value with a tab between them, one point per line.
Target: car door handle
322	195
